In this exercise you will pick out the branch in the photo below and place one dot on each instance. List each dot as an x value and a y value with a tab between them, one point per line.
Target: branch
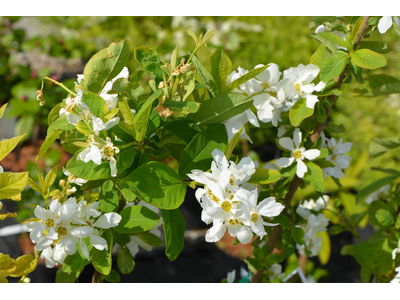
317	131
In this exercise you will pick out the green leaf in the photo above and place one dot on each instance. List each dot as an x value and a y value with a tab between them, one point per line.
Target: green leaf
11	184
383	261
335	129
174	230
283	220
125	261
91	171
334	39
105	65
368	59
50	178
141	120
25	265
185	107
298	235
331	46
108	197
113	277
313	177
208	80
184	129
60	124
77	261
377	147
365	276
125	110
149	60
101	259
356	30
173	57
50	139
377	85
336	229
221	67
347	250
375	186
363	252
265	176
299	112
63	277
136	219
197	154
384	217
221	108
322	163
321	114
7	146
319	56
233	143
97	104
157	184
83	128
246	77
334	66
375	46
150	239
2	109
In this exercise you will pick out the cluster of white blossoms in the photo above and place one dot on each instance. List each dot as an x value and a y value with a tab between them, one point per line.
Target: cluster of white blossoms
273	95
57	230
227	205
380	194
341	161
297	152
314	224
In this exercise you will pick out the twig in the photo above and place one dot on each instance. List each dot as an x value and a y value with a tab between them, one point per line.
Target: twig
317	131
95	277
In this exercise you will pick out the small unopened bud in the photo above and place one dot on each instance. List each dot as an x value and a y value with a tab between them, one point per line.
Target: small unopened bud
27	280
70	190
161	85
41	103
39	92
1	205
185	68
62	182
175	72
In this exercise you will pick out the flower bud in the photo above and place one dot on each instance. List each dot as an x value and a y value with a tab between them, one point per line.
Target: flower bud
27	280
41	103
62	182
161	85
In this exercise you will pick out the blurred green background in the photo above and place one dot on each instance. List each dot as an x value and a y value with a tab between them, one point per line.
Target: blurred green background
60	46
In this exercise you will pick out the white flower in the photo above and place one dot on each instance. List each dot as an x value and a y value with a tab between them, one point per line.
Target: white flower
70	190
396	250
231	276
267	208
342	161
91	153
99	125
1	169
275	271
269	77
379	194
269	107
297	83
107	152
249	88
234	124
297	153
73	179
304	208
396	278
386	22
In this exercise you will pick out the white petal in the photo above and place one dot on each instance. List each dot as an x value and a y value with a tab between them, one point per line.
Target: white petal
384	24
269	207
84	249
220	159
311	154
113	167
252	118
308	88
286	143
311	71
98	242
40	213
297	137
320	86
108	220
345	147
301	168
82	231
111	123
215	233
244	234
311	100
284	162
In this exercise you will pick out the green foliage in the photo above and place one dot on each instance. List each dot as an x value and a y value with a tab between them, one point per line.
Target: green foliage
221	67
174	230
334	65
125	262
377	147
368	59
265	176
109	201
299	112
313	177
149	60
137	219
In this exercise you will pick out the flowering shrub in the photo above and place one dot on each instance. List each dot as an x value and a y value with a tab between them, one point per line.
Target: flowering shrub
120	133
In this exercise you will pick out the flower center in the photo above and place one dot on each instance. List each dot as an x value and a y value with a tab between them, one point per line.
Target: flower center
70	108
297	154
108	151
212	196
62	231
226	206
297	87
333	156
233	222
71	177
49	223
254	218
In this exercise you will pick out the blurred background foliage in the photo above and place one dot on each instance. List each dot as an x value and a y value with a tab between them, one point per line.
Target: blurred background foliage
59	47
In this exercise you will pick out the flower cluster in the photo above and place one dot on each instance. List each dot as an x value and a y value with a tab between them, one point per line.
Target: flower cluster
273	95
314	224
57	230
228	205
